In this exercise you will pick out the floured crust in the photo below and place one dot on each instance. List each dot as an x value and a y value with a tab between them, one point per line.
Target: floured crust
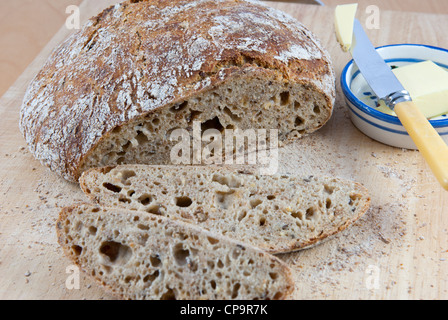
139	56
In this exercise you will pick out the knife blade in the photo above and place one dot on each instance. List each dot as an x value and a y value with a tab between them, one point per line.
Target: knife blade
388	88
377	73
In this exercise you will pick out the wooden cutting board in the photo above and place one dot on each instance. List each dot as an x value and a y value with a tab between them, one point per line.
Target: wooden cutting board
398	250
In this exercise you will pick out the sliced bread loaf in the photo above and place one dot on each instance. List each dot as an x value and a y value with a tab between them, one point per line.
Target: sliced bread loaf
114	92
279	213
140	256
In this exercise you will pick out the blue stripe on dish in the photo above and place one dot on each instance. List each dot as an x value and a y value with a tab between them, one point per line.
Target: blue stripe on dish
386	128
378	114
377	125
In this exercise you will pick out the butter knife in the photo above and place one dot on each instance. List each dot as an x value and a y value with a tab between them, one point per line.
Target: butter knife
388	88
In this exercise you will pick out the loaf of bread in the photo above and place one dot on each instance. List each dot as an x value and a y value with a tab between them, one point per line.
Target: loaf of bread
136	255
114	91
275	213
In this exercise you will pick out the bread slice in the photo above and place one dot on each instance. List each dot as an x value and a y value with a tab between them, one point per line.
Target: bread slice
280	213
140	256
114	92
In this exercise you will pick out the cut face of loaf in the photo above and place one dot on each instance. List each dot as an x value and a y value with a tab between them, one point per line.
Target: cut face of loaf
254	100
114	92
140	256
276	213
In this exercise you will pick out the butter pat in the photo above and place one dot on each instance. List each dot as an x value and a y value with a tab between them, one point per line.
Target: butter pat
344	20
427	84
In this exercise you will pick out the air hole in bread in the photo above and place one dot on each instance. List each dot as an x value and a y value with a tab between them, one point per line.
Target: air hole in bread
142	239
212	124
236	288
193	116
262	221
115	252
310	213
128	279
297	214
278	296
126	146
212	240
155	261
255	202
284	98
224	199
354	198
125	175
124	199
232	115
151	277
131	193
156	121
242	215
328	203
181	255
141	138
145	199
183	202
271	197
112	187
168	295
155	209
143	227
107	269
92	230
77	250
329	189
210	265
273	275
237	252
299	121
179	107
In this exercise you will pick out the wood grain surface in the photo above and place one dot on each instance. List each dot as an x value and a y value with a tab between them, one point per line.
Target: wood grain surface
398	250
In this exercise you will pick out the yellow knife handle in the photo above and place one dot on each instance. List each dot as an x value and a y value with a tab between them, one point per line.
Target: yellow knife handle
428	141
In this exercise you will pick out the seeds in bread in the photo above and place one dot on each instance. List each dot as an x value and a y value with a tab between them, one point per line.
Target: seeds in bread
139	256
114	91
278	214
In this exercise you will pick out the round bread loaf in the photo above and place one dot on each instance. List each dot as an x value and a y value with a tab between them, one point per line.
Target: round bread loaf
114	91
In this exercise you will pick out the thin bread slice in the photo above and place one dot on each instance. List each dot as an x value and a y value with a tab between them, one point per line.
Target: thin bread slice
140	256
280	213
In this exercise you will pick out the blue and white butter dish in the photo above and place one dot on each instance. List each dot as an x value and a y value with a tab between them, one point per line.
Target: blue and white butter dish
362	102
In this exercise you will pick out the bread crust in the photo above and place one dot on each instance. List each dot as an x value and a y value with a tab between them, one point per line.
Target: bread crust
137	57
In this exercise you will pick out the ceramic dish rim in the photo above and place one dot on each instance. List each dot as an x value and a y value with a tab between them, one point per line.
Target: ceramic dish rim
375	113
